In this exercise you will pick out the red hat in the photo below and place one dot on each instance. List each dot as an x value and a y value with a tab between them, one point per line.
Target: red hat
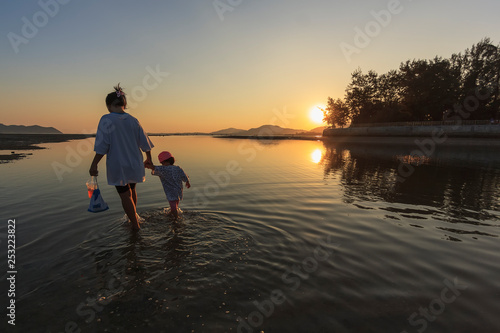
164	155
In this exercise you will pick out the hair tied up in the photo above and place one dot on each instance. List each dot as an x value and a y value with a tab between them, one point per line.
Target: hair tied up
119	91
117	97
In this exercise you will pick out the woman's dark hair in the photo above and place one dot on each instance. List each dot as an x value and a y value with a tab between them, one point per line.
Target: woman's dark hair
117	97
170	160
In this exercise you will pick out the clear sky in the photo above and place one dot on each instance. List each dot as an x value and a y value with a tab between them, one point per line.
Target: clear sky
230	63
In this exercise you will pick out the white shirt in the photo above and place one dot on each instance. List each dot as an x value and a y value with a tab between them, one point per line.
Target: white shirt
171	177
121	138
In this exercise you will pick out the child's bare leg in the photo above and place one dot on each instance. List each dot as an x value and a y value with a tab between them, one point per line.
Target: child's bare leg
173	208
129	208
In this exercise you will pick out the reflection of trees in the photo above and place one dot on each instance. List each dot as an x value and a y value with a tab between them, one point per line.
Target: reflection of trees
369	173
363	177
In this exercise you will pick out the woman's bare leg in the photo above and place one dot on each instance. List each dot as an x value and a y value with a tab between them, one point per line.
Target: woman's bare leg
129	207
134	196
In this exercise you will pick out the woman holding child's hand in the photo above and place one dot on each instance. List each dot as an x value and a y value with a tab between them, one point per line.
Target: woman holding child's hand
121	138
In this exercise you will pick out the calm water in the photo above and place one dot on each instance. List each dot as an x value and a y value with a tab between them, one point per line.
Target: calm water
276	236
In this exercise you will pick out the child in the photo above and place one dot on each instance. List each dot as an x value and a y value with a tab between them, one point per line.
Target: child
121	138
171	177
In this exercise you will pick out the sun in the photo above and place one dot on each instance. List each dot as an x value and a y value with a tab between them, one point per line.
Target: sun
316	115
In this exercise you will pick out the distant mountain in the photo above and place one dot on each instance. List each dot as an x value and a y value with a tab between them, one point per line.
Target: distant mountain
228	131
272	130
318	130
264	130
21	129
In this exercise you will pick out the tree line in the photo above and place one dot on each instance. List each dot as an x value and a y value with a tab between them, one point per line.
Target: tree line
466	85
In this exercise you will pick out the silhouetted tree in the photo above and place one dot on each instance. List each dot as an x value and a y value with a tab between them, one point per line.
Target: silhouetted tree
361	96
420	90
336	113
430	88
481	78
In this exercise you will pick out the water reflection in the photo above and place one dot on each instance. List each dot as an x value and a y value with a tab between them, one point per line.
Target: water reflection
455	184
224	259
413	159
316	156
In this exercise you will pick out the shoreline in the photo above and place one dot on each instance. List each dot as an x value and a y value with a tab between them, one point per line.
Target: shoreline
377	140
416	140
16	142
26	142
30	141
429	131
271	137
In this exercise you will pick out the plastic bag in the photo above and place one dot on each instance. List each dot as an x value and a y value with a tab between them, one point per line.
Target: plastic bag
91	185
97	203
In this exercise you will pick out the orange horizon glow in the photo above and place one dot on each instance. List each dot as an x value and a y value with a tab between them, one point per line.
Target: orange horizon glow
85	117
232	73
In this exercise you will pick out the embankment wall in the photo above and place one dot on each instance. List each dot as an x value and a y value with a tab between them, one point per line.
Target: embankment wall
458	131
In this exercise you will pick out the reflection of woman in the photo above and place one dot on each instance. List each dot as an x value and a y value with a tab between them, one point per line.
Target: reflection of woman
174	250
121	138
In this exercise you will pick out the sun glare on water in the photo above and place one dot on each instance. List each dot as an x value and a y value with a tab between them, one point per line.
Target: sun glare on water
316	156
316	115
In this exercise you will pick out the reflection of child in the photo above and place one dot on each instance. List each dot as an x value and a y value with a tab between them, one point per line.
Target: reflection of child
171	177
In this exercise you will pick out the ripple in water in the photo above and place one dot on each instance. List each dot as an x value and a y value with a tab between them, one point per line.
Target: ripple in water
169	275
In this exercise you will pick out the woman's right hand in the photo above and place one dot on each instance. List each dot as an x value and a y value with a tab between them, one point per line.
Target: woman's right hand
149	164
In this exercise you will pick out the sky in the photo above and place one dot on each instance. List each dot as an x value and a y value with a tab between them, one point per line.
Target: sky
205	65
